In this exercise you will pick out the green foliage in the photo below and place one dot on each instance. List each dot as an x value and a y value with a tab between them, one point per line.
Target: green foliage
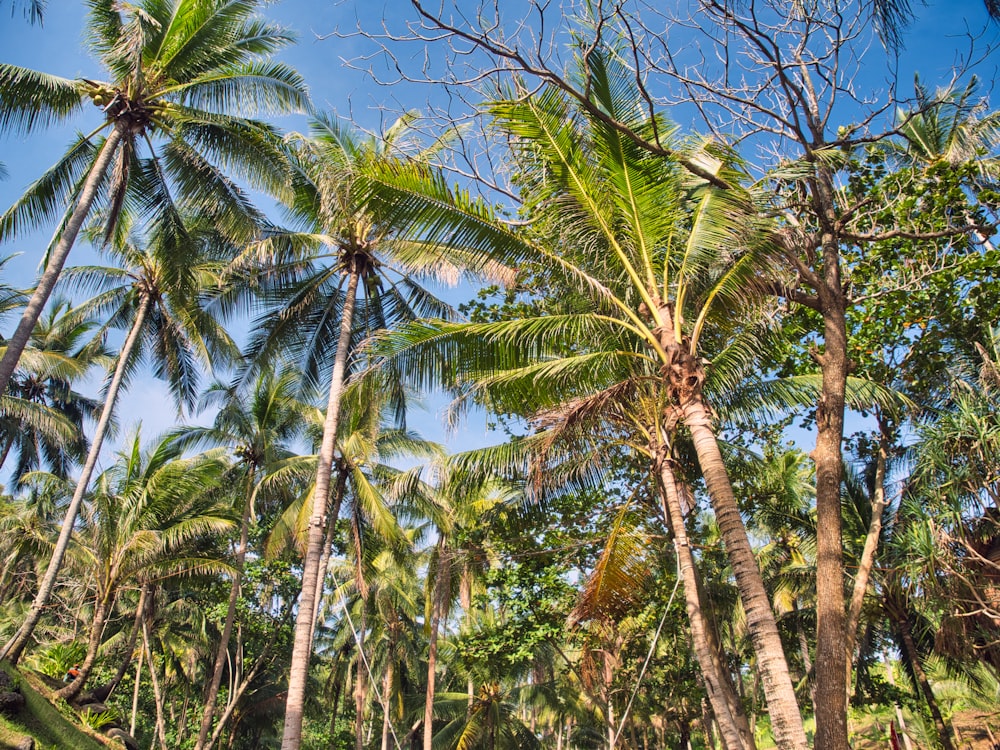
57	659
98	720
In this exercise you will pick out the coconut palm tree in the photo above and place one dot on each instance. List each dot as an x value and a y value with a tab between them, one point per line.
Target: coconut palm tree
185	73
42	424
155	294
147	509
328	303
653	255
259	428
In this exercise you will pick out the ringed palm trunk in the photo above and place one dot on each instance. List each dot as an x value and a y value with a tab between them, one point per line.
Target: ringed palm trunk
15	647
57	259
733	724
304	620
772	665
227	628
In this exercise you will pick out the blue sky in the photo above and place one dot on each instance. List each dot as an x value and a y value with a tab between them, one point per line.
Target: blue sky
931	47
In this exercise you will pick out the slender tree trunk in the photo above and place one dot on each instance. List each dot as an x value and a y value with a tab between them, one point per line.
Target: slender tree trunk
135	690
132	638
437	607
772	666
324	561
101	608
15	647
891	679
57	259
227	629
387	698
360	688
161	727
733	724
909	649
299	669
871	547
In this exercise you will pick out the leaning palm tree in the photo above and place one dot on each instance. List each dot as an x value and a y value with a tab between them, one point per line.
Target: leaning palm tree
654	256
328	303
183	72
155	295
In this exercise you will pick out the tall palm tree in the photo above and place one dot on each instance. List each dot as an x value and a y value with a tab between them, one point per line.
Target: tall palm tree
654	255
155	294
259	428
329	303
184	72
147	509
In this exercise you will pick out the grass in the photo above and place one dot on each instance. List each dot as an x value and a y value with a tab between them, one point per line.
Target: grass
43	721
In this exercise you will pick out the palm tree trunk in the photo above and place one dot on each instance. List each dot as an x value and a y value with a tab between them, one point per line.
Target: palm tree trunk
361	685
15	647
733	724
909	652
387	696
871	546
101	609
161	727
437	606
301	652
227	628
17	342
789	733
132	638
324	561
135	689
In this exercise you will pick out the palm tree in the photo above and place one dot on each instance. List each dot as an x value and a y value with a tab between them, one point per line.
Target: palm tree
179	71
259	428
156	295
653	255
366	284
42	425
147	509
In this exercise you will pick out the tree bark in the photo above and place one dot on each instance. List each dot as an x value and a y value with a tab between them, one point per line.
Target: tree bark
227	629
101	609
57	259
299	668
15	647
733	724
909	649
161	727
871	547
772	666
387	679
831	616
360	687
324	561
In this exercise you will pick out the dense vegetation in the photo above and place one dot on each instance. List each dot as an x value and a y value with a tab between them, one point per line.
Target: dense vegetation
660	324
